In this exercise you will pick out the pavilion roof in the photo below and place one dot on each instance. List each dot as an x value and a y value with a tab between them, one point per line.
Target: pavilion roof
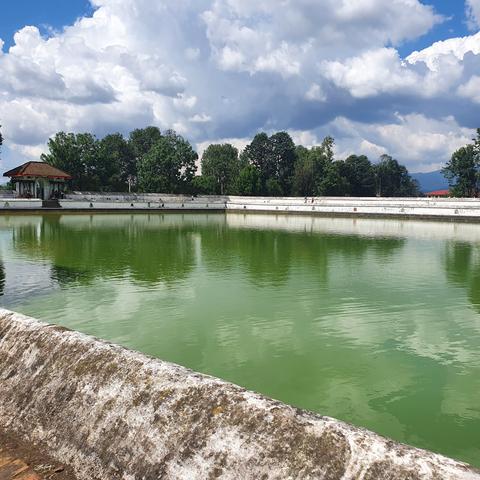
37	169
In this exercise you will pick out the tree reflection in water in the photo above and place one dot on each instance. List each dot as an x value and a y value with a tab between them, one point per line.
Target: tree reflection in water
462	265
148	250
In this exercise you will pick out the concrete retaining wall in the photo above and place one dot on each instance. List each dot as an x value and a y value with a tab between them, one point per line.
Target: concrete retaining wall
368	207
19	204
74	205
115	414
95	201
449	208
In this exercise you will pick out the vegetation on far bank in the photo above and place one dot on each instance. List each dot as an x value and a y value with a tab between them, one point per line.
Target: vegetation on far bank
463	170
153	161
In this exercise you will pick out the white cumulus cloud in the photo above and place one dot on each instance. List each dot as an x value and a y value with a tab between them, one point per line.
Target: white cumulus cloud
225	69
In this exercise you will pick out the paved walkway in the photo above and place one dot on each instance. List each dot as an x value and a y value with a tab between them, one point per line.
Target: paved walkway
24	461
12	468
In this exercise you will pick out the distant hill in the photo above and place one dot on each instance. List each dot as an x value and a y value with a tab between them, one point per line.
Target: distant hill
431	181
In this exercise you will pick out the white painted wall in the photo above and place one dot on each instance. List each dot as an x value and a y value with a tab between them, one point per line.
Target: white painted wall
19	203
416	207
328	206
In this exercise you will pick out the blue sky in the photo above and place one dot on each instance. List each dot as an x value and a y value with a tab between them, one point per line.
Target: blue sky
222	70
48	15
455	25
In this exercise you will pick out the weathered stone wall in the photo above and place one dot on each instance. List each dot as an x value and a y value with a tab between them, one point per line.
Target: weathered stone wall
115	414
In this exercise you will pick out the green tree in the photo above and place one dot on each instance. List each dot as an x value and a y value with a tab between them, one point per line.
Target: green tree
258	154
76	155
140	141
169	166
115	164
334	183
248	181
87	147
330	181
1	139
462	171
63	153
360	174
274	157
393	179
327	147
315	172
204	185
282	151
221	164
273	187
304	177
309	170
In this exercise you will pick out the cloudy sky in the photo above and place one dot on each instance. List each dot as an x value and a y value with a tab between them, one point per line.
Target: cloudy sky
381	76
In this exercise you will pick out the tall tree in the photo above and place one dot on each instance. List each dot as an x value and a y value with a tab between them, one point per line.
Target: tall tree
140	141
309	170
462	170
1	139
327	147
274	157
87	146
282	151
169	166
360	175
143	139
304	178
76	155
220	162
248	181
334	182
116	163
393	179
258	154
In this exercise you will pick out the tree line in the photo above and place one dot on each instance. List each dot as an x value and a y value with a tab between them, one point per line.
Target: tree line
463	170
149	160
146	161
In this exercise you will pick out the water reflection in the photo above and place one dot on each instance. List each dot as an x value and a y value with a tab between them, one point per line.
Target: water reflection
83	253
370	321
462	264
83	248
269	256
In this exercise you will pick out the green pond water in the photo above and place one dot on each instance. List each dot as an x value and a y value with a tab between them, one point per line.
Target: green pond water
375	322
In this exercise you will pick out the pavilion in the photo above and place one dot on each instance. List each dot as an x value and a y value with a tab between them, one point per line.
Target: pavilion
38	180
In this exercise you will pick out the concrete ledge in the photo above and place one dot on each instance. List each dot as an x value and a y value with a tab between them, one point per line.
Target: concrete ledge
466	209
111	413
19	203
